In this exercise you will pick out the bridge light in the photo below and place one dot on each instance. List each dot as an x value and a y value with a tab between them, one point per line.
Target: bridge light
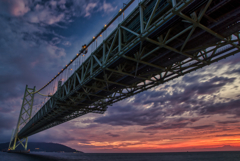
84	46
93	37
100	35
120	10
71	60
71	69
105	25
77	54
82	55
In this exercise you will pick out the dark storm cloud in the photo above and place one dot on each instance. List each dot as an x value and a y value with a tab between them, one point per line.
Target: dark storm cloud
112	135
231	107
227	122
166	126
202	127
227	135
129	115
173	124
7	121
190	92
167	104
213	85
59	137
234	71
31	51
194	78
89	126
22	59
210	86
62	134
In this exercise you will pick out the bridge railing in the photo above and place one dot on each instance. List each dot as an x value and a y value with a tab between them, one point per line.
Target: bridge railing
106	75
94	46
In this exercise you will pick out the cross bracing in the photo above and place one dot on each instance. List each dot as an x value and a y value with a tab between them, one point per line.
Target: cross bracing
159	41
24	117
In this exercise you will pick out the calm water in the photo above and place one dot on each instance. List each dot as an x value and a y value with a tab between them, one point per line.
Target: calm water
190	156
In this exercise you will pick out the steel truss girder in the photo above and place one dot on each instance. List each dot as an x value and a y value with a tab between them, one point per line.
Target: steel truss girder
24	117
95	84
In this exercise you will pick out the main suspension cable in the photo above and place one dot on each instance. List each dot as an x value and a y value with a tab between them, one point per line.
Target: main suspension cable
85	47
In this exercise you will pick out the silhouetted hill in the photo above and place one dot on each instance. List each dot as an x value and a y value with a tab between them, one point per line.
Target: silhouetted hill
40	146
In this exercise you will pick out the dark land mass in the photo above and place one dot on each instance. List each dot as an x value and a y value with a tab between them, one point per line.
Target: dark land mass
41	146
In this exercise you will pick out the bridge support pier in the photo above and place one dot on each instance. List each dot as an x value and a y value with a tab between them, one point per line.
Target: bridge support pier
24	117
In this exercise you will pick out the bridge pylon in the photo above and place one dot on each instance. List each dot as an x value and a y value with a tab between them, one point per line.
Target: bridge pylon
24	117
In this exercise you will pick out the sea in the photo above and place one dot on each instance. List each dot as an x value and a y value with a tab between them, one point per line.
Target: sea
183	156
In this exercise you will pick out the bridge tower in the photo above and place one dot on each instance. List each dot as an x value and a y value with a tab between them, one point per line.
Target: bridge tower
24	117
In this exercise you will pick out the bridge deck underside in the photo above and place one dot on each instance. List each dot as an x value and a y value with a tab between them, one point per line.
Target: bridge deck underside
190	36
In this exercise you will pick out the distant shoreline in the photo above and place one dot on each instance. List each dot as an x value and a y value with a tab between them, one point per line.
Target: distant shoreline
42	147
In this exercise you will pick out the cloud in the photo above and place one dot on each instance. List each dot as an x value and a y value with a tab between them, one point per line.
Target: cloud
53	12
6	122
34	46
112	135
93	6
210	86
231	107
19	8
224	135
67	43
172	124
153	106
32	51
48	13
107	7
15	7
234	71
166	126
175	109
228	122
89	8
128	115
202	127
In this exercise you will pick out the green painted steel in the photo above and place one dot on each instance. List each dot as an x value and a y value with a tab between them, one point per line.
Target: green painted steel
24	117
167	42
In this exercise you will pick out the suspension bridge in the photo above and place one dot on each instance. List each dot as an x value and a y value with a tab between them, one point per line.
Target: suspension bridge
158	41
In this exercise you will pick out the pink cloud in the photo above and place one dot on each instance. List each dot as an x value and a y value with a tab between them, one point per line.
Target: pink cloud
107	7
19	7
46	15
89	8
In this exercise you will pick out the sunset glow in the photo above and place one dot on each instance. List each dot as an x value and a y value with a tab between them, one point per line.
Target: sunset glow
199	111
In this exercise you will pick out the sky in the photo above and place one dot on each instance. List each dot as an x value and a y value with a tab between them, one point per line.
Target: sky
196	112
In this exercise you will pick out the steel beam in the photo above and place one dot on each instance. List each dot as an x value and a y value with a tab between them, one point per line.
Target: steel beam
117	59
24	117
